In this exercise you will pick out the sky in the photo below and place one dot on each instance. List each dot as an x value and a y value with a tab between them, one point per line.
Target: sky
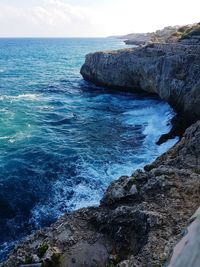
92	18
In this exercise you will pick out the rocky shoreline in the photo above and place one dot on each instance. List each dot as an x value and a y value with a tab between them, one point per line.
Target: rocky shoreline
142	217
138	222
168	70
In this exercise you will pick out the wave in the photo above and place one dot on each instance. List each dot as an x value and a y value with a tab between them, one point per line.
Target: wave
27	97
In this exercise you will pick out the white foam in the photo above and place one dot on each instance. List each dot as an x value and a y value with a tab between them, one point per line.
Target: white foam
3	70
28	97
154	121
158	124
4	137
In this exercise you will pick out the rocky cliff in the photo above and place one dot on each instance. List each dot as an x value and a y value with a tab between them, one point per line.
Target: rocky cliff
138	222
172	71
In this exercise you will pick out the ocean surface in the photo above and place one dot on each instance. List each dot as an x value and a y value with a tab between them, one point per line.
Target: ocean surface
63	140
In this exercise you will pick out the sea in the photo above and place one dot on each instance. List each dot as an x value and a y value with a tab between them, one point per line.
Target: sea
64	140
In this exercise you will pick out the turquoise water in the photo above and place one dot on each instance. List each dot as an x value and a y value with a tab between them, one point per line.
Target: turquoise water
63	140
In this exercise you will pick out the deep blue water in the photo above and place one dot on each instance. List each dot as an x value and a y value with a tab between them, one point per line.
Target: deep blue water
63	140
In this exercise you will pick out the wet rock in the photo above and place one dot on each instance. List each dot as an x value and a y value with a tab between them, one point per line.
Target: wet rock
179	125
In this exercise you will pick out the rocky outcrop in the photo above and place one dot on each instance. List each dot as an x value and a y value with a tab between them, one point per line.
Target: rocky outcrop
159	36
138	222
171	71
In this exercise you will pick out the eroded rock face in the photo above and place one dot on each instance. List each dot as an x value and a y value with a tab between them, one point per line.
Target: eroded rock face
170	70
138	222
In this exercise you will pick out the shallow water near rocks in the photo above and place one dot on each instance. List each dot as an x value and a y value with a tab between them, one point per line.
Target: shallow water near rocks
63	140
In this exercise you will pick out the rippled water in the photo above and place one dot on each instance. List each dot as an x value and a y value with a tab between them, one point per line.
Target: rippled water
62	140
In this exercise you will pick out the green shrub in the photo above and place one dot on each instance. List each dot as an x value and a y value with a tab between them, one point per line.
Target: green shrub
42	250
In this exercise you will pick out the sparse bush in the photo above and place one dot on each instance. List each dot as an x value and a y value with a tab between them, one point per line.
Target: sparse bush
42	250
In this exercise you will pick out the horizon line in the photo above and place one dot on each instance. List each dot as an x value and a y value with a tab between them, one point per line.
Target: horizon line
58	37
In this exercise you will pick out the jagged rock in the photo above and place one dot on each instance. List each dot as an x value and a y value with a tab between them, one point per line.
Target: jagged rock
120	191
185	155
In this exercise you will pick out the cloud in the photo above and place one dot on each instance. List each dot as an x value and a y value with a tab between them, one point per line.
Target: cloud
51	18
93	18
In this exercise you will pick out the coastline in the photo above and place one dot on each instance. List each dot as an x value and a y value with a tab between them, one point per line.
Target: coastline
141	217
139	220
168	70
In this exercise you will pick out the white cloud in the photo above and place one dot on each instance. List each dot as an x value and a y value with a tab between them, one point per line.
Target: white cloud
52	18
94	18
